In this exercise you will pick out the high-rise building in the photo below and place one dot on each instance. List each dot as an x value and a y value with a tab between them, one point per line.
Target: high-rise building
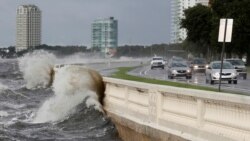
104	34
28	27
179	34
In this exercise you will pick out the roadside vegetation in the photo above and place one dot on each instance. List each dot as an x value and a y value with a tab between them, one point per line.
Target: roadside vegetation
122	74
202	25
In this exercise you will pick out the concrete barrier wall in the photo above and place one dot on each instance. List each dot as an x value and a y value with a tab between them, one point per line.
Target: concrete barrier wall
169	113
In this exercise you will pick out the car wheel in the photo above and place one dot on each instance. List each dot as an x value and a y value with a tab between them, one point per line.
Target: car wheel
235	81
211	81
229	82
152	68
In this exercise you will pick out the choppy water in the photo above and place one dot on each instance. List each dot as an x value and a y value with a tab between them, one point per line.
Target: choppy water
19	107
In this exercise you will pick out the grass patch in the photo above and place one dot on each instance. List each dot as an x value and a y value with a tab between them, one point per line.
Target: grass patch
122	74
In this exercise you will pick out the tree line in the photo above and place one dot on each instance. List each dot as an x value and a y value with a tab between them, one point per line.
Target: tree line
165	50
202	24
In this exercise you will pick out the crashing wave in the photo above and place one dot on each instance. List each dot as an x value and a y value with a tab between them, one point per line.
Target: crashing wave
37	68
72	84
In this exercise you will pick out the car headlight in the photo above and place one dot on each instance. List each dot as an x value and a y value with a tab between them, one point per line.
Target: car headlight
195	66
188	71
174	71
234	73
216	74
207	66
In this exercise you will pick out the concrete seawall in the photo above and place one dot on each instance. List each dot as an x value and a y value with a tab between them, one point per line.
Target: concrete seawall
152	112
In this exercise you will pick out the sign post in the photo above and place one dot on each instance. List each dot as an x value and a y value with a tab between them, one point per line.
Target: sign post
225	35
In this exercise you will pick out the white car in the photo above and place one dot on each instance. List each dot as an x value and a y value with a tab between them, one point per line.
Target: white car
179	69
157	62
228	72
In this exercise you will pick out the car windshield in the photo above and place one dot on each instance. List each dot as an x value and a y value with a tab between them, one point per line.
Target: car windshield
179	65
157	59
236	62
177	59
225	66
199	61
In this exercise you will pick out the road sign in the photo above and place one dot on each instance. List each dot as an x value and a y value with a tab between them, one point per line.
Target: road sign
225	35
225	30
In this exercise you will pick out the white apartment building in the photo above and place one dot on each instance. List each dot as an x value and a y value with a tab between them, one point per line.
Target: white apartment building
179	34
104	34
28	27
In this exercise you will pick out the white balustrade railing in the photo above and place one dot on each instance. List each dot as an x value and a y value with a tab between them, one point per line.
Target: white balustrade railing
190	114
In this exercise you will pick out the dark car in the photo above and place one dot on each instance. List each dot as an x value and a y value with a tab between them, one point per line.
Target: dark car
239	65
198	65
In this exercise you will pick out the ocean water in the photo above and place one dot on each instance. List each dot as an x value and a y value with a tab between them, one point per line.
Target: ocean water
32	110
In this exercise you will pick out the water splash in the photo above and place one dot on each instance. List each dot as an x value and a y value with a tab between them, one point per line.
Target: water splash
37	68
72	84
3	114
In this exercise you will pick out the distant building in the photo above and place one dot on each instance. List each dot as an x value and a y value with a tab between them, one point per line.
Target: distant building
177	13
28	26
104	34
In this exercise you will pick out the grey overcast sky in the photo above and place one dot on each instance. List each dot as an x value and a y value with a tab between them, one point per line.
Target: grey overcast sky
68	22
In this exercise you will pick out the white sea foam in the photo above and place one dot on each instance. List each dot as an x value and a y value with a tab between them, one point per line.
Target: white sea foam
36	68
11	105
3	87
72	84
3	114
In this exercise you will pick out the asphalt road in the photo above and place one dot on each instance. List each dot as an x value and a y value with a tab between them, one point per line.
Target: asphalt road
243	86
106	69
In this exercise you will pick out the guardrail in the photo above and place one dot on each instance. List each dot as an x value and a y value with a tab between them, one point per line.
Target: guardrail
162	112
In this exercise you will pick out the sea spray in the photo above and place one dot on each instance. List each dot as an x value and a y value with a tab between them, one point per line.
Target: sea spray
72	84
3	114
3	87
81	58
37	68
